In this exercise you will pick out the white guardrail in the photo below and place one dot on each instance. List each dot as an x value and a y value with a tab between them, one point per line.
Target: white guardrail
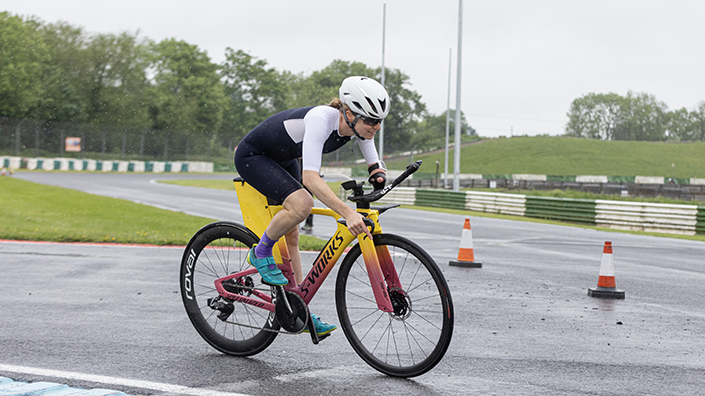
511	204
74	164
624	215
649	217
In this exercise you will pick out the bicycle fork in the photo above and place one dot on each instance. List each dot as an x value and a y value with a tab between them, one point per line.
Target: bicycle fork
379	279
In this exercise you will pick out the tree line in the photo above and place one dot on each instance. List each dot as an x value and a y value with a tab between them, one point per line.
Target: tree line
120	91
636	116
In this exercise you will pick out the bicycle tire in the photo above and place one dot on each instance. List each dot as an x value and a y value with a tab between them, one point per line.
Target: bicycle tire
217	250
397	345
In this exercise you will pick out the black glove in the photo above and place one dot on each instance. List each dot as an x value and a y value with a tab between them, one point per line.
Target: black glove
373	177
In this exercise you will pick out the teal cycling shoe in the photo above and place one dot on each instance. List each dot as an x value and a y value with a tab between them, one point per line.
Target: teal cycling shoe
321	327
271	274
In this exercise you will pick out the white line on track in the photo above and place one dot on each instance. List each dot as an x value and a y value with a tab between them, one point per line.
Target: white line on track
101	379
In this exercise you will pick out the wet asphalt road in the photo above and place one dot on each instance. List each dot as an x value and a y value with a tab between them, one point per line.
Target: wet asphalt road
524	324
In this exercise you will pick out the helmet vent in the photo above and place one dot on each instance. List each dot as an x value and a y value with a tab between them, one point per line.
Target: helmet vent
359	107
383	104
374	108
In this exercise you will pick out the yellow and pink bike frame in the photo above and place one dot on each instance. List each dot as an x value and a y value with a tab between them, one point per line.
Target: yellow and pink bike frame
257	214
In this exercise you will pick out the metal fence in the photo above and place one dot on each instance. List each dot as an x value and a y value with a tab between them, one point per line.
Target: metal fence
36	138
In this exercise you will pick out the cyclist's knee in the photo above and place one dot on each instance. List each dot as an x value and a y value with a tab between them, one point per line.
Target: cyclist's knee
299	204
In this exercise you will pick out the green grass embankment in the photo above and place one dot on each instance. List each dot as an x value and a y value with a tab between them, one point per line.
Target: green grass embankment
570	157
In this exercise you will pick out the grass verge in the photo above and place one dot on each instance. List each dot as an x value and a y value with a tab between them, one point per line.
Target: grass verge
37	212
32	211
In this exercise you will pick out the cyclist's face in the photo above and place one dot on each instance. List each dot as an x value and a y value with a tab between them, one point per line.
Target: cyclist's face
364	129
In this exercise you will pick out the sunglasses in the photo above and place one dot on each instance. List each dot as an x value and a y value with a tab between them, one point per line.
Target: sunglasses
370	121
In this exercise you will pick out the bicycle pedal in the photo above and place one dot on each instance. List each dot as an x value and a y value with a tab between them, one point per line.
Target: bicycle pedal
323	337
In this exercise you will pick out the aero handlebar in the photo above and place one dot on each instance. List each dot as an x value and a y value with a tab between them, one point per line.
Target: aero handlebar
359	195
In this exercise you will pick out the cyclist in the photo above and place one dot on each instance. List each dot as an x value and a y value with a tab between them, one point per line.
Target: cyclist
266	158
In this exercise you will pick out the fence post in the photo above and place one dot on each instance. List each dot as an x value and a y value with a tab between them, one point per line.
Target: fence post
105	136
166	144
36	139
61	142
17	138
142	145
124	142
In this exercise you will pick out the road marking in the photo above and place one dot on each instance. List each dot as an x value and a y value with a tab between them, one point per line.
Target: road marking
101	379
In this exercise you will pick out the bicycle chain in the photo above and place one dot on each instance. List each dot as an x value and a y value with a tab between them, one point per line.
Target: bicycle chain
241	288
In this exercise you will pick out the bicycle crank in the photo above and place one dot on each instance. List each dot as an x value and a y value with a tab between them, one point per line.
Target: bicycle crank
291	310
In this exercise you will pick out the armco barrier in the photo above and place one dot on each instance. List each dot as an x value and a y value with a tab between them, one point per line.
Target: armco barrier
79	164
700	221
649	217
563	209
441	199
511	204
401	195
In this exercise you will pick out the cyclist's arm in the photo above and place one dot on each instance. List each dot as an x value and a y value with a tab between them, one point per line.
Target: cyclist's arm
369	151
312	180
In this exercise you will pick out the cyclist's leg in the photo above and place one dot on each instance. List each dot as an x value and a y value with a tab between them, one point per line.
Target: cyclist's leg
292	244
280	181
295	209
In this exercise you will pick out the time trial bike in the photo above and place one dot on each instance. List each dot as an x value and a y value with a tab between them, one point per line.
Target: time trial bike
393	303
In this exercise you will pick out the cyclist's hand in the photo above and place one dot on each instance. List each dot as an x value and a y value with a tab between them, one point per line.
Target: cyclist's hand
378	175
378	179
356	225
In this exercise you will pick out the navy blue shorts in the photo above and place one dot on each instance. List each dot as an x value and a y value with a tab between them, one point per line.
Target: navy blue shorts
273	179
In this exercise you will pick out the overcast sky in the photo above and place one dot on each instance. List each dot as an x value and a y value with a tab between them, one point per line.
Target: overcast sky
524	61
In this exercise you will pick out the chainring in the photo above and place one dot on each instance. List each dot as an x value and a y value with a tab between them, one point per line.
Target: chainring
294	321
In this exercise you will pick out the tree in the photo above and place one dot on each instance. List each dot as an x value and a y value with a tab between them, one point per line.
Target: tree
432	131
22	53
187	93
406	111
323	85
253	93
117	80
642	118
699	121
613	117
681	125
595	116
64	74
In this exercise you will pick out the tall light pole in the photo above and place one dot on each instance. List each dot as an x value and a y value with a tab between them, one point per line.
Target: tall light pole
445	171
381	129
456	150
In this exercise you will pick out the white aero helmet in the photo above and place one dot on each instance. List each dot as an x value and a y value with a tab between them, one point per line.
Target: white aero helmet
365	97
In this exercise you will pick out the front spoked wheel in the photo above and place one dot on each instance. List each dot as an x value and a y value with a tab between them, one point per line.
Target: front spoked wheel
217	250
414	338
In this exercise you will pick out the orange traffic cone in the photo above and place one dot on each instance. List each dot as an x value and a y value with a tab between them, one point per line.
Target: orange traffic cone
606	287
466	257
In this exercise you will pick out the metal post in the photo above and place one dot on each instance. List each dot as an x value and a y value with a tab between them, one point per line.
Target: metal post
124	143
142	145
438	170
384	31
445	171
105	136
166	144
18	131
36	138
456	150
